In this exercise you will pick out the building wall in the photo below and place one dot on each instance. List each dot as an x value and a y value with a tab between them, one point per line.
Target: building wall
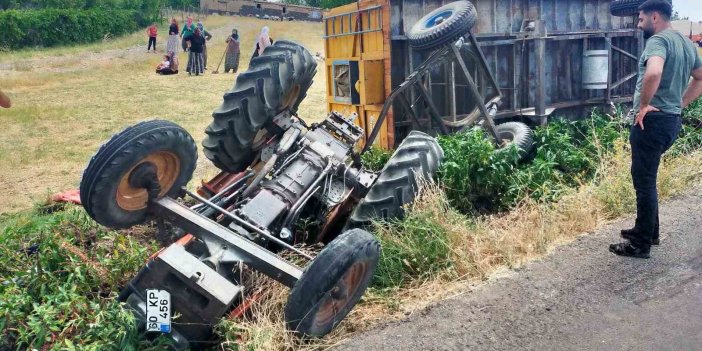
261	8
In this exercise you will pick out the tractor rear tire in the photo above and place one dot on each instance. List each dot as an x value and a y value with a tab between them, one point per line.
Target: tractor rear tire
276	81
443	25
418	156
332	284
519	135
105	189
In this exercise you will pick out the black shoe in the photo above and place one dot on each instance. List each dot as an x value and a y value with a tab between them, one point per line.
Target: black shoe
630	250
630	234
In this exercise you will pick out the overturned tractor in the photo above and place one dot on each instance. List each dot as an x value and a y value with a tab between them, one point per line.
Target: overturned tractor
278	171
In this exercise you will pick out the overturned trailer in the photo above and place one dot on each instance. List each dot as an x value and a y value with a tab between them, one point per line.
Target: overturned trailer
547	57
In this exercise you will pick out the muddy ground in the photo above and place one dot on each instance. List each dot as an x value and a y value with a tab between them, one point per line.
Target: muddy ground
580	297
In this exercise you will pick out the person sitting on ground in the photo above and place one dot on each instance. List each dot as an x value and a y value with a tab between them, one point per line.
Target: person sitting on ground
231	61
169	65
4	100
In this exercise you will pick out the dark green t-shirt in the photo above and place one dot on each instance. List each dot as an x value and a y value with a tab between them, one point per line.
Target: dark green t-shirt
680	57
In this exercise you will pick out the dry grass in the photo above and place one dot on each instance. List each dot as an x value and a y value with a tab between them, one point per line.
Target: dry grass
480	248
68	101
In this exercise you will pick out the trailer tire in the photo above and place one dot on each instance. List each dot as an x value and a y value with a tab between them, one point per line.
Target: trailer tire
332	284
518	134
443	25
418	156
275	81
105	190
626	8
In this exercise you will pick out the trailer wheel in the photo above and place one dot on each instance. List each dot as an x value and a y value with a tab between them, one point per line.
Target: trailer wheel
419	155
332	284
443	25
626	8
518	134
275	81
107	188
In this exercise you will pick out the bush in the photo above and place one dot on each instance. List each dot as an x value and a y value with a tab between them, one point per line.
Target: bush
375	158
50	27
59	277
478	179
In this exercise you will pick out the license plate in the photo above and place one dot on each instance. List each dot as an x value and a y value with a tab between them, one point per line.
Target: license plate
158	311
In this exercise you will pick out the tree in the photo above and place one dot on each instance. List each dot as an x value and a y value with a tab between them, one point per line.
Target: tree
327	4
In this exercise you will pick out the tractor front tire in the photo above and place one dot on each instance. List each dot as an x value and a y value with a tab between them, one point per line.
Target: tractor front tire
418	156
332	284
106	189
276	81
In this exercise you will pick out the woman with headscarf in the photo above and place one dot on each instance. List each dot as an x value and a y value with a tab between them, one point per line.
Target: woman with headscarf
207	37
195	64
231	60
188	30
264	41
173	31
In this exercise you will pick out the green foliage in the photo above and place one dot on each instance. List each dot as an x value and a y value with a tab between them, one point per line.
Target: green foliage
49	27
478	179
59	278
375	158
690	138
414	248
328	4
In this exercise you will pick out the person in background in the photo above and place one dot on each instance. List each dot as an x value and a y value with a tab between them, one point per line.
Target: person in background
195	62
173	31
5	100
264	41
169	65
152	32
231	61
663	90
165	64
207	37
187	32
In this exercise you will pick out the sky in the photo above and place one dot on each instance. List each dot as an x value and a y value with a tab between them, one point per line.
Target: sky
689	8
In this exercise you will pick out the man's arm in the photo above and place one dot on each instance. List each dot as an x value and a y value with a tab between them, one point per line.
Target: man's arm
694	90
651	81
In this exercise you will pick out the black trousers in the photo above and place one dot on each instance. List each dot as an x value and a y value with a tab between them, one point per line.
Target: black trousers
647	147
152	40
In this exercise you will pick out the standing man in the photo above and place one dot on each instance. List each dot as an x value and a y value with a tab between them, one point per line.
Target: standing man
152	32
662	91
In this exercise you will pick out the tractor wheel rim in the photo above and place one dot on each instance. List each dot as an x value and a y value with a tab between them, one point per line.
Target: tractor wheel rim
167	166
438	18
507	138
335	300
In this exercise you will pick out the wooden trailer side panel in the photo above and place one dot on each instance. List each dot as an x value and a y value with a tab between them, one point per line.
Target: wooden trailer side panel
357	51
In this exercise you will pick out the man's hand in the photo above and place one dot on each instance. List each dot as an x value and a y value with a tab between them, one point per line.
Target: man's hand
642	113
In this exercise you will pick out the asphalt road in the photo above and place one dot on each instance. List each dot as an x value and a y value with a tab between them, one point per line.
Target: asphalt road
580	297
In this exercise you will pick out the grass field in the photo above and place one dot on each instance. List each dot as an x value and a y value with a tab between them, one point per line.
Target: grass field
67	101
